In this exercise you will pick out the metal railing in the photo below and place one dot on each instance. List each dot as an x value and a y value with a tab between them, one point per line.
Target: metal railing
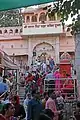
67	86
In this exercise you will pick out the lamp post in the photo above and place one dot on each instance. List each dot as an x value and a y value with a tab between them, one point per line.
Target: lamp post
33	56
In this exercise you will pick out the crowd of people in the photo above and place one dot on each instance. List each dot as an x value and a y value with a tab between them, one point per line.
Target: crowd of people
48	106
11	109
38	104
37	79
45	65
34	106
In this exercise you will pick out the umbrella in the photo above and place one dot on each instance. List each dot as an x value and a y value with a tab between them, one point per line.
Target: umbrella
13	4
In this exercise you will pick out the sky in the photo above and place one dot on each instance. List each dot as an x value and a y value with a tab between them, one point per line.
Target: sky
69	21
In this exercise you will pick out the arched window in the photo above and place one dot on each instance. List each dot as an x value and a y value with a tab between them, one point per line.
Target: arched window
58	16
2	46
21	30
0	31
11	46
5	31
34	18
65	55
42	17
21	45
52	18
10	31
16	30
27	19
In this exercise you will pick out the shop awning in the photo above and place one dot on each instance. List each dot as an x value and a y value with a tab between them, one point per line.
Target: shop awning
6	61
13	4
8	65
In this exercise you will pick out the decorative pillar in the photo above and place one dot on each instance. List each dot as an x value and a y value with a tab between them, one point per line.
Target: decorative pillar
30	54
17	80
25	19
77	61
47	18
57	49
30	18
38	17
56	17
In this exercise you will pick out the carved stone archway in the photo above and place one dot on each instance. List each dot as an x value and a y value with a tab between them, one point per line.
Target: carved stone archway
45	50
65	56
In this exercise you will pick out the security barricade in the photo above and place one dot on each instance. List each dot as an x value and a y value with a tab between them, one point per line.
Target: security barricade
67	86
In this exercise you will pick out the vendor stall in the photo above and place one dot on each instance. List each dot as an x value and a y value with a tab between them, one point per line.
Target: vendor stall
6	62
7	67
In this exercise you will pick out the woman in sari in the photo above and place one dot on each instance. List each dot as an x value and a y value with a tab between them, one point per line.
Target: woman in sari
57	76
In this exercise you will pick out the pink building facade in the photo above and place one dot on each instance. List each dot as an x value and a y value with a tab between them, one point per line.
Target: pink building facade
40	37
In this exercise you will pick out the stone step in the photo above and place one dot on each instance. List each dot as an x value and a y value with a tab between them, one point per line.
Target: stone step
21	94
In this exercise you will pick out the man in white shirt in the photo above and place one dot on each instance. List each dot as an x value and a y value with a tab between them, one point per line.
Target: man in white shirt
28	97
44	67
25	104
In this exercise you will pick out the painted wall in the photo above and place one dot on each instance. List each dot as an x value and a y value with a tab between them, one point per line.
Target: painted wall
23	41
19	47
67	44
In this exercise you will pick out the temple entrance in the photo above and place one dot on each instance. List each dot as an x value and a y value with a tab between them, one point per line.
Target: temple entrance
43	57
43	51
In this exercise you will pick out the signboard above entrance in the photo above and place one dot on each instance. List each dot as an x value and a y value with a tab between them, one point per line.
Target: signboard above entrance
48	28
42	25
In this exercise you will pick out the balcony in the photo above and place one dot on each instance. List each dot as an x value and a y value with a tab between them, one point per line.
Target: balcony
10	33
42	28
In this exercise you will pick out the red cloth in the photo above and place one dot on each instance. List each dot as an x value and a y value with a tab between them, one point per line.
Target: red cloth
28	79
2	117
41	90
18	99
70	84
39	82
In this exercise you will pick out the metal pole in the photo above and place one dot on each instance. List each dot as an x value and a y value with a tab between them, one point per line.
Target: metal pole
17	80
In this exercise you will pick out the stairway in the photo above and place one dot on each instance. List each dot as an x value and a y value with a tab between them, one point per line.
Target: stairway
21	93
20	90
